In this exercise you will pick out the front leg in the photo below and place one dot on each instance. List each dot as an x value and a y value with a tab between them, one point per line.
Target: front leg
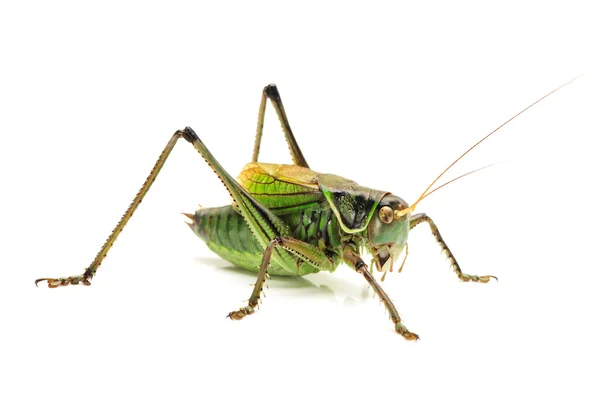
420	218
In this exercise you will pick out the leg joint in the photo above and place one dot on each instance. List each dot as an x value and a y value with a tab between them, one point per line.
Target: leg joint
359	264
271	91
189	134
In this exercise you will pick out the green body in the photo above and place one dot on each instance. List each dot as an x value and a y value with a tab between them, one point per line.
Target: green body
319	209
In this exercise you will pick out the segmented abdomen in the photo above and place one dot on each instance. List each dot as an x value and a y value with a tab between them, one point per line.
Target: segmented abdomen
226	233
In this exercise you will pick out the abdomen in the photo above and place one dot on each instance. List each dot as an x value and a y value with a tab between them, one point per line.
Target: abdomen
226	233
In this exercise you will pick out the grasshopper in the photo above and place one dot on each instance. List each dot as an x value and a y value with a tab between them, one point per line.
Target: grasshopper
288	220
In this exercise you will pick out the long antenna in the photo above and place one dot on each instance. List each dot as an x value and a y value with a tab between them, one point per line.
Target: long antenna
399	214
455	179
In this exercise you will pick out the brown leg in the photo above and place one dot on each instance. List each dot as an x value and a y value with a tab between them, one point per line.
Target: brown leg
90	271
420	218
361	268
271	92
300	249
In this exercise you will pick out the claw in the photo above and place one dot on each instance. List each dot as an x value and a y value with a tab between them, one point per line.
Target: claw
240	314
485	279
41	279
64	281
237	315
480	279
409	336
53	282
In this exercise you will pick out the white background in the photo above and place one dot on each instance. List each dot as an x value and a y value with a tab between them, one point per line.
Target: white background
386	94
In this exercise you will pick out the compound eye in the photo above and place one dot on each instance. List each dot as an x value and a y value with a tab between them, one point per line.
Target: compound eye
386	214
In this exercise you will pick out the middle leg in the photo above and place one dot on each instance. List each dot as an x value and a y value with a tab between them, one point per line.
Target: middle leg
306	252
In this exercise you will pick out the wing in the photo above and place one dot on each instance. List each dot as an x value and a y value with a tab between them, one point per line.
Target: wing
282	188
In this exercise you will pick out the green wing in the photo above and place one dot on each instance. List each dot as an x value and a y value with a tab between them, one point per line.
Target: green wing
287	188
282	188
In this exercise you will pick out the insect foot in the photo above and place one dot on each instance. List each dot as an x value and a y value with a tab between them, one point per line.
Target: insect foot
477	279
409	336
64	281
240	314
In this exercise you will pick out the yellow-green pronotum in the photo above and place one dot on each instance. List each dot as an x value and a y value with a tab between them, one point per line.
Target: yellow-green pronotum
290	220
